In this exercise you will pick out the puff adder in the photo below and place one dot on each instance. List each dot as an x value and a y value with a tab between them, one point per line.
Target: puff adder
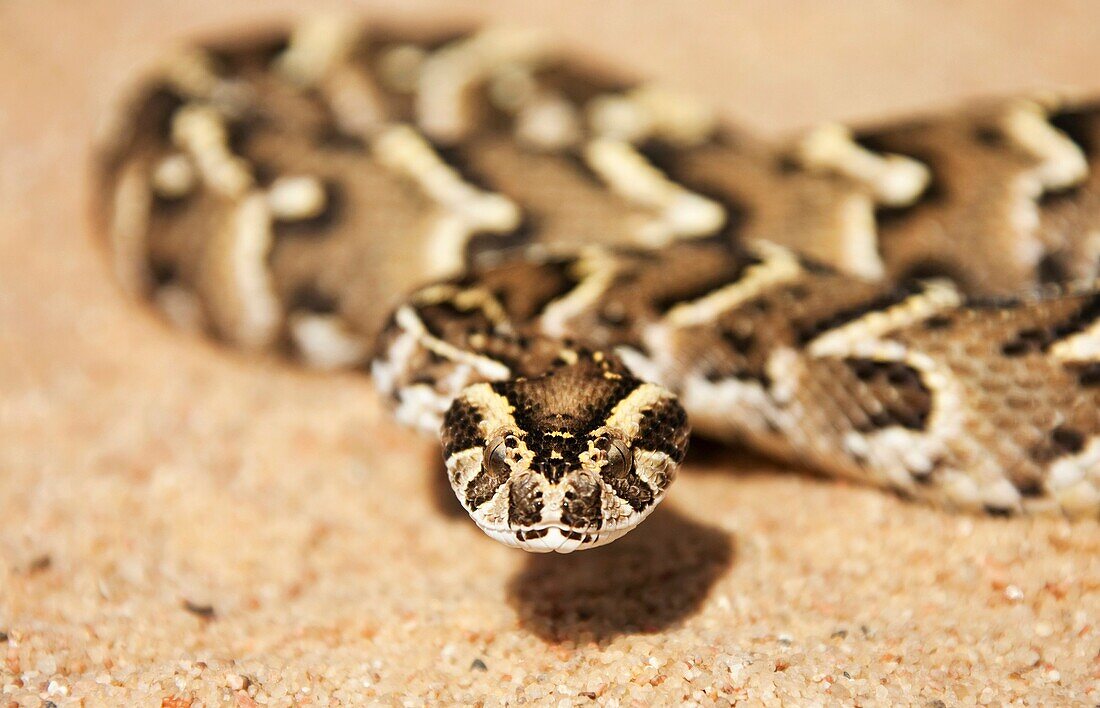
908	305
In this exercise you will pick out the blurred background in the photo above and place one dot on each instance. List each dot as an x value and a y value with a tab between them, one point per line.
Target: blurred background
772	65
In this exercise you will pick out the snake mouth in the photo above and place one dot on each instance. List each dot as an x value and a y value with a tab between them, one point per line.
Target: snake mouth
559	538
553	538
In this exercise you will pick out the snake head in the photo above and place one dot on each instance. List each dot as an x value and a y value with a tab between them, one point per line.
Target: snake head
572	458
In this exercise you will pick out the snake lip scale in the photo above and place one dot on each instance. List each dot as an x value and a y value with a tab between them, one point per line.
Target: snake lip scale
598	262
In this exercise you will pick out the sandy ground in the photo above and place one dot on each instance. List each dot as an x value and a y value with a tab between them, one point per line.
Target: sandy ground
180	525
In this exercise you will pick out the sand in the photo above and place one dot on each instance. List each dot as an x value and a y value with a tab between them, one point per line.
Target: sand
182	525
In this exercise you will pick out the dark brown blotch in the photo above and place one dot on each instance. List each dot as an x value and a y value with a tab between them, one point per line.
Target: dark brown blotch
664	428
525	501
460	430
582	506
908	401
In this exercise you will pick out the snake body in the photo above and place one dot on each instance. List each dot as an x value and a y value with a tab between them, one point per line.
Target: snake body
910	306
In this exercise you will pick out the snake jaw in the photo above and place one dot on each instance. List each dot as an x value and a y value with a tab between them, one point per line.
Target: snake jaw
547	510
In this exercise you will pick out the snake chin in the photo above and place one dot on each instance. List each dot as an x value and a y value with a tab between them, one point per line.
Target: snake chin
560	539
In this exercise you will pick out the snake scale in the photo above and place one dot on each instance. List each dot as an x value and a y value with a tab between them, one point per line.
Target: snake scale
908	305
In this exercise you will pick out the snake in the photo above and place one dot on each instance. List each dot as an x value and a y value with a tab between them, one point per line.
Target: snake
564	273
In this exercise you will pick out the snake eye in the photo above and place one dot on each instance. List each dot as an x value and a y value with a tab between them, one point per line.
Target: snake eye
497	459
619	459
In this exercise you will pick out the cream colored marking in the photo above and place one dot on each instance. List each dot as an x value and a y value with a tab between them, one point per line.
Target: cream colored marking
896	453
618	516
1080	500
296	198
642	366
1074	481
895	180
568	356
493	513
779	266
446	245
631	176
316	46
1069	470
548	122
627	414
387	370
463	466
399	67
857	252
200	130
403	150
129	228
327	341
597	272
467	299
355	101
616	117
255	314
174	176
192	74
651	111
448	75
1062	164
781	367
937	296
489	368
422	407
496	413
653	466
1081	347
961	489
469	209
181	306
511	86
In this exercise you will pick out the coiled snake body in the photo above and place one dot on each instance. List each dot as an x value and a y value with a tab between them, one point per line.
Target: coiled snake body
610	263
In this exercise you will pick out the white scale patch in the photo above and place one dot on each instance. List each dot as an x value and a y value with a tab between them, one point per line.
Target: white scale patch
496	411
200	131
423	405
244	301
631	176
326	341
447	76
1081	347
895	180
1075	480
1062	164
650	111
316	47
627	415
